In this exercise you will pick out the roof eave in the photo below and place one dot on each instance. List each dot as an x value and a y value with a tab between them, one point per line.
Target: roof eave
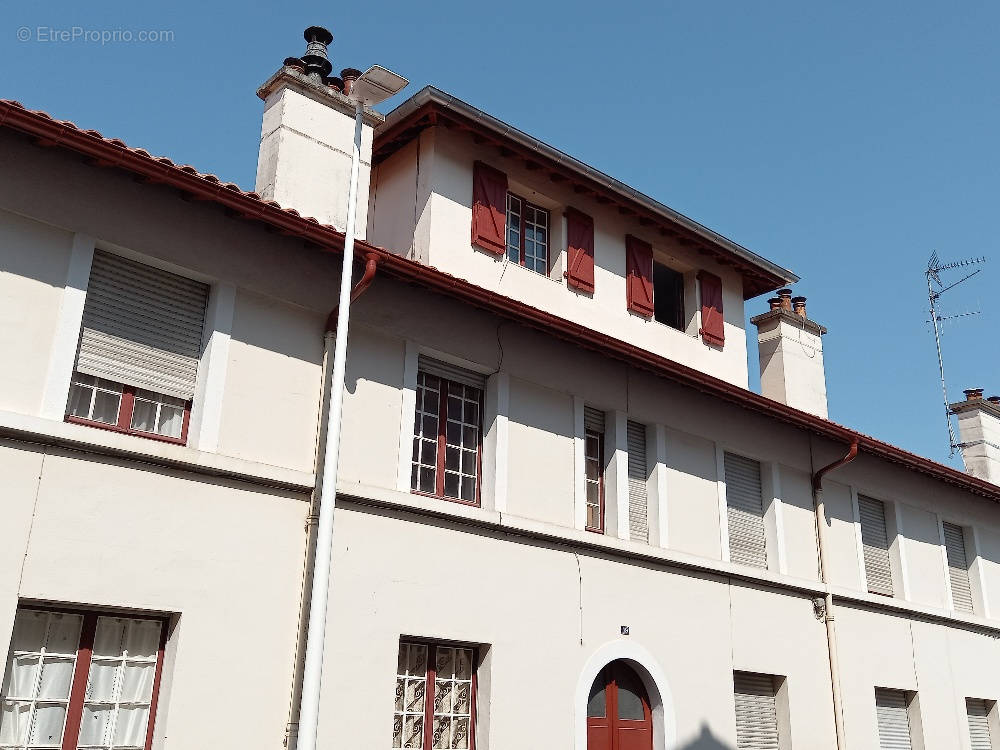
102	152
402	124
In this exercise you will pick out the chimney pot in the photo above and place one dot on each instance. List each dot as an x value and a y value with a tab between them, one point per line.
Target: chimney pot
799	305
337	84
994	399
350	75
785	295
317	62
774	303
973	394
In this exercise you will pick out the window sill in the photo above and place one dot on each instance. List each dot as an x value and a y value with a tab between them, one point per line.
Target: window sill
81	437
123	431
446	498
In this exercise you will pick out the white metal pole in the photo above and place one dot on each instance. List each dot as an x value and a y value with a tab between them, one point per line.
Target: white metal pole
312	673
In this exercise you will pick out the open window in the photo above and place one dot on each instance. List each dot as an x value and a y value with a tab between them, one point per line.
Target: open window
668	296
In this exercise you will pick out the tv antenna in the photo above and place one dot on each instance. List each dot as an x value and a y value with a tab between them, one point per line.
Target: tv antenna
935	288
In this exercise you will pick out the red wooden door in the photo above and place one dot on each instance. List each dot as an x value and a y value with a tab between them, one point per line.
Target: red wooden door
618	713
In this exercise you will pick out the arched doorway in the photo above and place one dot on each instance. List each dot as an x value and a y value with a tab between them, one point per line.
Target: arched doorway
618	711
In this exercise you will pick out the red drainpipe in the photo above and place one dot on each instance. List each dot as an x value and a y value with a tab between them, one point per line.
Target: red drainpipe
817	478
371	263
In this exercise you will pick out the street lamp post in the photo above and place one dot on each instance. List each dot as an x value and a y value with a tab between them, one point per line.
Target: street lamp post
373	86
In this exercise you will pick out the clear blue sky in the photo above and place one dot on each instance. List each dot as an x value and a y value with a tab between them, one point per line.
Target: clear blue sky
842	140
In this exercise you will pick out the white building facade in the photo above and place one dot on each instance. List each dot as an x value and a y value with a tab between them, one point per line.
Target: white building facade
563	519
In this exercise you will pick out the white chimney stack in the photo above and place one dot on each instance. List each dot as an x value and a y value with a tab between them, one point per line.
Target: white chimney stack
979	434
791	355
308	135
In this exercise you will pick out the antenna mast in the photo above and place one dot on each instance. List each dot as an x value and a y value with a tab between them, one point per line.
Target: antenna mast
935	288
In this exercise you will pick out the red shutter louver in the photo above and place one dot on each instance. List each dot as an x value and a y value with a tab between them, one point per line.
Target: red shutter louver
712	324
579	250
639	275
489	208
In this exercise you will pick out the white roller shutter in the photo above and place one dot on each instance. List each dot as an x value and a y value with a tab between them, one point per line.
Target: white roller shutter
451	372
142	326
745	511
958	567
893	722
593	419
637	474
978	712
756	711
875	545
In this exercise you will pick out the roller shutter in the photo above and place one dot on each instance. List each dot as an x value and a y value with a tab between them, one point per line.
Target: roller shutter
593	419
875	545
893	722
756	712
142	326
637	474
451	372
958	567
745	510
978	712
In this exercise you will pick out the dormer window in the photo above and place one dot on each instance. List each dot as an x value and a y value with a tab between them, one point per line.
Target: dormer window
527	234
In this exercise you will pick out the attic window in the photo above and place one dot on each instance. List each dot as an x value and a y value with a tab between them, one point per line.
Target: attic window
668	296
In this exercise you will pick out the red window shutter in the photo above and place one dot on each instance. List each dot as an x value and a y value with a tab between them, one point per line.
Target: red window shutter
712	324
579	250
489	208
639	275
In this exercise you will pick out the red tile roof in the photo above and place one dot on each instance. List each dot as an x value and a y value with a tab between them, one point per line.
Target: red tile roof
112	152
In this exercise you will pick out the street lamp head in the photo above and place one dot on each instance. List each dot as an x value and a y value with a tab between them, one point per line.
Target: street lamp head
376	85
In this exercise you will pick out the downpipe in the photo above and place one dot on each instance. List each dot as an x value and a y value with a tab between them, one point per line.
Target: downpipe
329	336
819	506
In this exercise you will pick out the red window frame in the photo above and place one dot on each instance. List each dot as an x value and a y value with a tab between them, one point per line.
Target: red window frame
124	423
548	231
430	684
442	447
599	529
81	670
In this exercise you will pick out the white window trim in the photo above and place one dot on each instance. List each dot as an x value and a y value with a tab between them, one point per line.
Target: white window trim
895	537
774	524
978	575
496	443
579	467
62	358
616	505
407	408
774	517
900	546
720	484
206	411
659	525
858	543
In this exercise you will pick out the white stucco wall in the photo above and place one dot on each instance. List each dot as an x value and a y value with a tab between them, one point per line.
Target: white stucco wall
442	221
224	559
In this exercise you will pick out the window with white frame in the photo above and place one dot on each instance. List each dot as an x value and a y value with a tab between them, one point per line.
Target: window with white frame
755	696
435	697
447	431
80	679
745	511
140	345
958	567
977	712
527	234
875	545
892	716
